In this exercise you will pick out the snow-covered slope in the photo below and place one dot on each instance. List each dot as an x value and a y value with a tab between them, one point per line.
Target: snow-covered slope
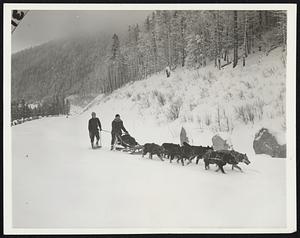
231	102
59	182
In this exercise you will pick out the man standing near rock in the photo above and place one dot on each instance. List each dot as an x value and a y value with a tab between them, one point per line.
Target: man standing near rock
94	123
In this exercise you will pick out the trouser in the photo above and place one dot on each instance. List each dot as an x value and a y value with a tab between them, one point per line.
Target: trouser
114	137
94	134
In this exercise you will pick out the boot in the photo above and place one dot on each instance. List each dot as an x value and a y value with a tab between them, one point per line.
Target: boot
97	143
112	147
92	144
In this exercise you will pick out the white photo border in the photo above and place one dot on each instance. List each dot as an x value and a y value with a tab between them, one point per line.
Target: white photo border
290	116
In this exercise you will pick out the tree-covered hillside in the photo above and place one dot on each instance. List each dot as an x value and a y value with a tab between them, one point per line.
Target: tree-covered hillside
100	64
62	67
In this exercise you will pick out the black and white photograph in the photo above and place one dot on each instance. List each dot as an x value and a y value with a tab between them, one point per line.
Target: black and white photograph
132	118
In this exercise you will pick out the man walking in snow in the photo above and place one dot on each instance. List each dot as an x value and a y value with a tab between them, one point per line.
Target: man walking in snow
94	123
116	131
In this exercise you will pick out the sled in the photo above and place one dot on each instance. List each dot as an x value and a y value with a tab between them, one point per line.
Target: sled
127	143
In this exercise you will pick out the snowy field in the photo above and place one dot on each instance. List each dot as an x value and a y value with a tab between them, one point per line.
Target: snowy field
59	182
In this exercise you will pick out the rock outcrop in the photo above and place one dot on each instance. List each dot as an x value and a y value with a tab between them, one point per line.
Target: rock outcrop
266	143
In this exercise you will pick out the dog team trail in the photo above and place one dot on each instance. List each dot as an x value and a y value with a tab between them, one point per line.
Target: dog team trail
58	182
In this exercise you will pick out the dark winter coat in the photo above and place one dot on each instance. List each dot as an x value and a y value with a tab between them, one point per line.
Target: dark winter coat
94	123
117	127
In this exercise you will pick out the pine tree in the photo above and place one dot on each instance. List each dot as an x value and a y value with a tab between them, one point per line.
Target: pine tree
115	47
245	38
235	36
182	46
154	43
280	19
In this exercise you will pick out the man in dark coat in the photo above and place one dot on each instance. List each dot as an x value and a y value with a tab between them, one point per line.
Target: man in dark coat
94	123
116	131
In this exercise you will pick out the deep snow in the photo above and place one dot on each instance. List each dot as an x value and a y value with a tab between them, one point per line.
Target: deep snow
59	182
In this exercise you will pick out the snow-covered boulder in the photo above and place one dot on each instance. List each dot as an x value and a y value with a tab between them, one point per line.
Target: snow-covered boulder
266	143
219	143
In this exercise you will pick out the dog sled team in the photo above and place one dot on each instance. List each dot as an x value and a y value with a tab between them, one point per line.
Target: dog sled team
188	153
184	153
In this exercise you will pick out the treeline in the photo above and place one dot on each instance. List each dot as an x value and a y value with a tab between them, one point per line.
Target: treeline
102	63
52	106
191	39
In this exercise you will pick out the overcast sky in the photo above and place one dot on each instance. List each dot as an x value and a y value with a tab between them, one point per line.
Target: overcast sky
42	26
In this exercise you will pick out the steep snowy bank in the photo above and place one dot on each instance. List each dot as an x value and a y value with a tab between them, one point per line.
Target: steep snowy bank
207	101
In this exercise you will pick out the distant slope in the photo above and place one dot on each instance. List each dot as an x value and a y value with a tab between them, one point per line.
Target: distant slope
58	67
